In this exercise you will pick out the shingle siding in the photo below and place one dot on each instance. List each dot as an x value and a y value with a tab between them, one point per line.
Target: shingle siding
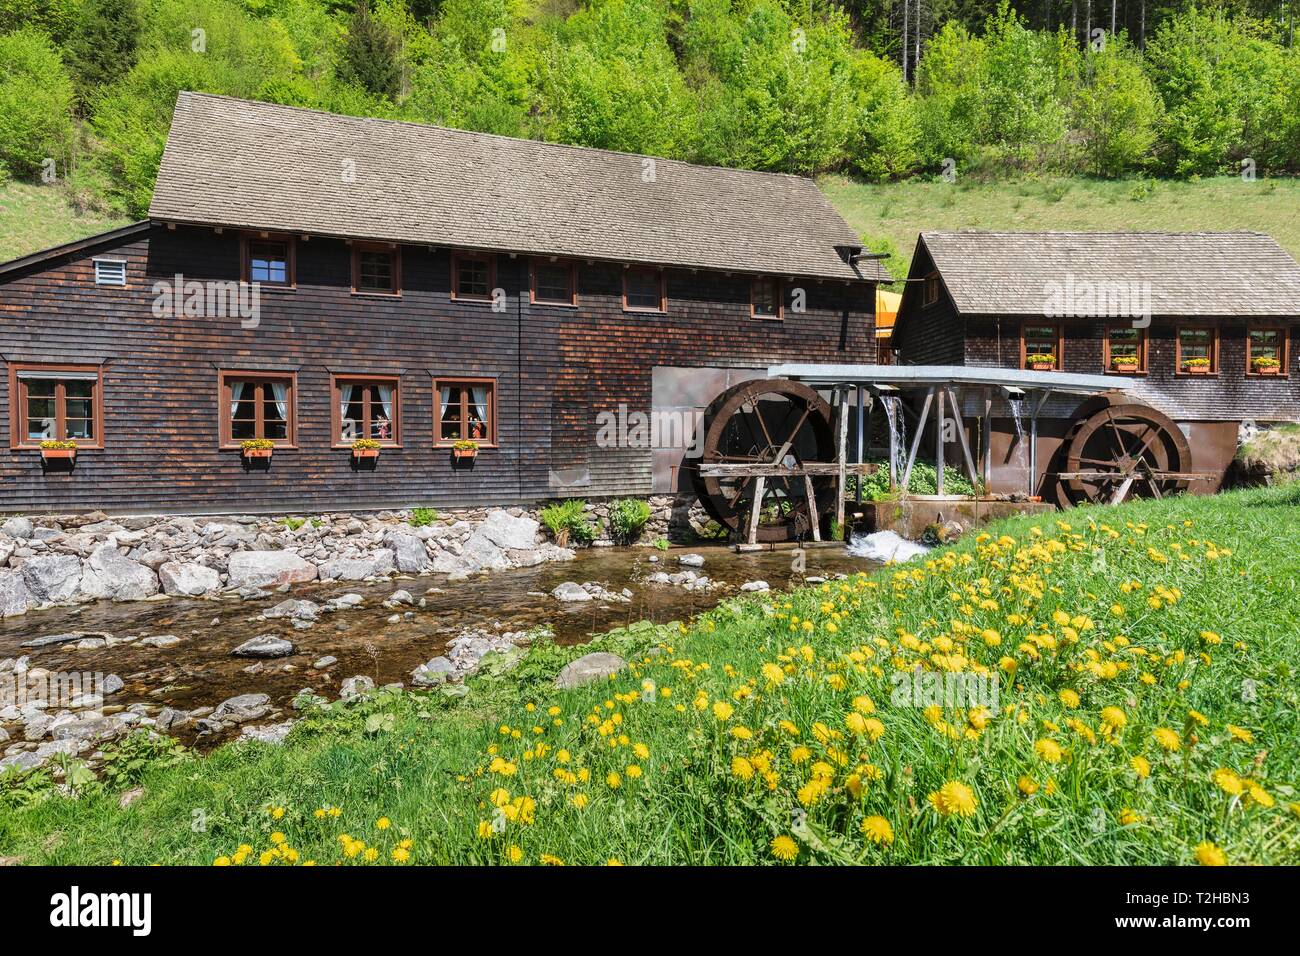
555	367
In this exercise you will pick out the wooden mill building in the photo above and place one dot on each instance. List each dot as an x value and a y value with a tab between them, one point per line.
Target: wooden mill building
417	286
1198	326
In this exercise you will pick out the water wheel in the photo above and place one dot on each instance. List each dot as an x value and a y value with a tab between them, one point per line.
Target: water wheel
767	422
1121	450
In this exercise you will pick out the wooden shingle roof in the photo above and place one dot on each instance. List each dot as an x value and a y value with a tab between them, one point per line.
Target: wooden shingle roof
1190	273
242	164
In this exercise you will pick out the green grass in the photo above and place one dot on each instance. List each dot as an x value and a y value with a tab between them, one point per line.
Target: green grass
890	216
435	766
33	218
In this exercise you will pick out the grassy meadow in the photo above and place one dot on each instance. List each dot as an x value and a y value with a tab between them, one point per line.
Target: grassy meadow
37	217
1147	713
890	216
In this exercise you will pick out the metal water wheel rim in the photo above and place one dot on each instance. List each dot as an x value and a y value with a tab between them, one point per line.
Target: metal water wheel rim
1130	466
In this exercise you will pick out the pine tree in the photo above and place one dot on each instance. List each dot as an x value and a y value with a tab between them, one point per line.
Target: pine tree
102	47
372	56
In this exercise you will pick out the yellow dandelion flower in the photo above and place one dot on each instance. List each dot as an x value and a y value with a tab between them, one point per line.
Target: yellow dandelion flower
878	830
1167	739
954	797
784	848
1141	766
1207	854
1048	750
1240	734
613	780
383	823
1027	785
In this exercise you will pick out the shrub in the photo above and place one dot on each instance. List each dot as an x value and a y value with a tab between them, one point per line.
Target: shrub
567	520
875	487
421	517
627	518
35	103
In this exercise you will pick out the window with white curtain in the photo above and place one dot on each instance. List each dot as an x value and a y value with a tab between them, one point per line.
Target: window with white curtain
466	410
366	408
254	405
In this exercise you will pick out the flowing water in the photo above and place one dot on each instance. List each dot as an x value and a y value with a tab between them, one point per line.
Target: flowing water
897	436
1022	455
200	671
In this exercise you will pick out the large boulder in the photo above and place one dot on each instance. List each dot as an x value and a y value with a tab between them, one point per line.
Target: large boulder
262	569
357	569
188	578
570	591
110	574
588	668
507	531
52	577
409	552
14	596
18	527
242	708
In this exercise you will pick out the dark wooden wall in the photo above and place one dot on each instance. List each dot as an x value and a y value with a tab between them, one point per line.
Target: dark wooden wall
1230	395
927	335
555	367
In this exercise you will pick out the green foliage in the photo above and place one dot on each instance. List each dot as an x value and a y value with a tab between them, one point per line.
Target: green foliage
293	524
127	760
569	517
875	487
627	518
371	57
421	517
35	103
103	45
25	788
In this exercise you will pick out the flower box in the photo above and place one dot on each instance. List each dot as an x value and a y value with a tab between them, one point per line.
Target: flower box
365	453
1267	370
257	452
1042	366
1127	367
464	452
1197	369
58	453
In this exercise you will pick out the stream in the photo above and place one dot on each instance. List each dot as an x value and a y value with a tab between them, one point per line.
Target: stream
199	670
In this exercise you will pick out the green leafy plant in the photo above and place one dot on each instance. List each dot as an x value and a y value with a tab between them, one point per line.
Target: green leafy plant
24	788
421	517
293	524
366	444
567	521
627	518
465	444
53	445
1123	361
1265	362
256	444
1196	363
126	761
661	544
875	486
1040	358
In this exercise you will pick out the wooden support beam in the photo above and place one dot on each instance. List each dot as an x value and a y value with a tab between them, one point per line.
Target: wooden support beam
916	439
938	445
756	510
963	438
986	438
750	470
841	457
812	506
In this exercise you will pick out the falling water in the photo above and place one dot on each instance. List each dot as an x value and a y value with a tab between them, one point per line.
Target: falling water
1017	417
897	434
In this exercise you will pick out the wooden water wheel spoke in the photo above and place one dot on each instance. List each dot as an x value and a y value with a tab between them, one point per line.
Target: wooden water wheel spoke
1120	450
767	423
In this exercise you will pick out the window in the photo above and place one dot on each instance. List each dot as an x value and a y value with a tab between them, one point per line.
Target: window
466	410
554	283
269	262
110	272
765	298
1040	345
366	407
930	289
56	403
1126	350
1266	351
643	290
256	405
472	277
1198	351
376	270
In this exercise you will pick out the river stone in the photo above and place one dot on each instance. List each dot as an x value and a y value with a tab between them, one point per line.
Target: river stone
297	610
258	569
480	553
17	527
88	728
242	707
356	687
691	561
570	591
408	552
14	596
110	574
506	531
160	640
170	717
188	578
267	733
357	569
755	586
433	672
588	668
50	640
264	645
325	662
52	577
111	685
